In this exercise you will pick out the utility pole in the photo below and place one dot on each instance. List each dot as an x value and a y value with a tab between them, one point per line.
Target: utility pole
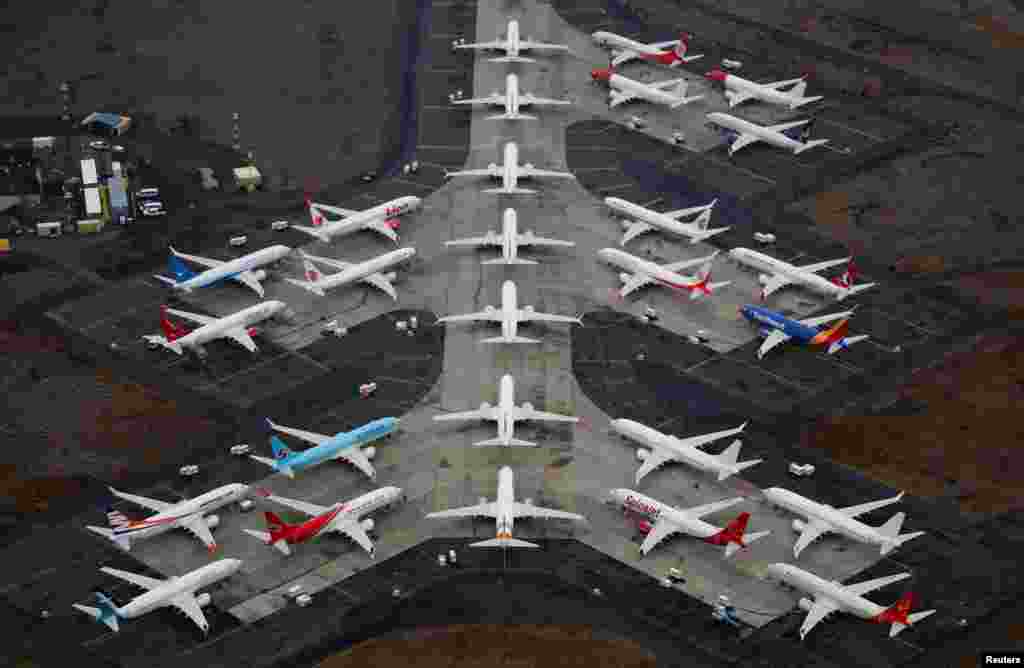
236	142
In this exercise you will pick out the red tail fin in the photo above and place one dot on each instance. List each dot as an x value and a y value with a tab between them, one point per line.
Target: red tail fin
171	331
732	533
899	612
276	525
848	277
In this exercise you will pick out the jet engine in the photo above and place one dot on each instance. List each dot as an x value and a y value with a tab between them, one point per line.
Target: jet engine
203	600
391	275
626	278
259	274
763	279
798	525
527	235
367	524
483	500
805	604
370	452
642	454
528	501
528	166
212	521
493	168
626	224
489	310
528	309
765	331
527	407
485	407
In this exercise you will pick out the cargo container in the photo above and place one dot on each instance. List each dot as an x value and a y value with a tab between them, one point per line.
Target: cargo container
53	229
120	209
93	204
89	172
90	226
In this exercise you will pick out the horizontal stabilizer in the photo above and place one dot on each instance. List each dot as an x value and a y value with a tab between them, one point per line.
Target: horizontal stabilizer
811	144
169	281
509	339
287	470
891	545
95	613
857	288
685	100
511	59
170	345
722	475
511	442
313	232
124	542
503	542
512	117
262	535
306	285
509	191
514	260
805	100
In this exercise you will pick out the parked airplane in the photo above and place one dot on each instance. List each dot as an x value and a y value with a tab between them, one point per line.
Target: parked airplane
509	315
509	240
822	519
189	514
366	272
781	274
505	510
345	445
671	93
671	53
645	272
343	517
510	173
512	100
663	448
832	596
382	218
738	90
179	592
669	520
511	45
743	133
506	414
777	328
238	327
243	269
645	220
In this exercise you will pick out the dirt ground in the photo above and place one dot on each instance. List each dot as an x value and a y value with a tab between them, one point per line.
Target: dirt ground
493	645
964	436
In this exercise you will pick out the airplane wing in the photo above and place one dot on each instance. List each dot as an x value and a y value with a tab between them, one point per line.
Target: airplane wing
787	126
207	262
310	509
744	140
853	511
664	45
684	264
618	97
482	510
473	172
711	508
336	210
241	336
194	317
821	320
330	262
533	316
861	588
774	283
773	339
736	97
497	45
521	414
662	529
542	46
198	527
635	229
357	458
532	172
812	531
821	609
665	85
490	99
531	99
656	458
356	532
308	436
530	510
482	414
468	317
679	213
635	282
187	604
381	283
140	580
152	504
248	279
775	85
821	266
523	240
381	225
475	241
704	439
624	56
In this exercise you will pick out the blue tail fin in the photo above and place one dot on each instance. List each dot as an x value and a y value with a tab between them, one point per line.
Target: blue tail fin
179	269
106	613
281	451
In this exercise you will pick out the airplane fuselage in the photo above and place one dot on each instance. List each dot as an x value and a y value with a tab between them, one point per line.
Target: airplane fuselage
832	591
188	583
369	502
506	405
185	511
511	94
509	247
244	318
773	137
357	221
361	270
340	442
637	265
654	218
770	265
837	521
504	500
231	268
610	39
655	440
509	176
641	90
764	93
767	321
655	510
513	38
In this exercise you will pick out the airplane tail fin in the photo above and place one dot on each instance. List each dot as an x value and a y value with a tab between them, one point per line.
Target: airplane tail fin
179	269
732	536
509	339
281	451
799	89
510	191
310	276
500	441
807	145
899	614
171	331
891	531
503	542
729	457
514	260
106	613
681	46
705	217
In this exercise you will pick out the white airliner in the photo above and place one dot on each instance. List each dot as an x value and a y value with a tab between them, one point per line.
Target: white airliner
381	218
662	449
511	45
744	133
506	414
509	315
243	269
671	93
512	100
822	519
738	90
780	274
238	327
345	517
830	597
367	272
509	240
644	272
669	520
505	510
671	53
189	515
642	220
178	592
510	172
